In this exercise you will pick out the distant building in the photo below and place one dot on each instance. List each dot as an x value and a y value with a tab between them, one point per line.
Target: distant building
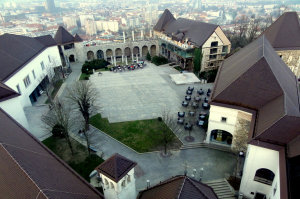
284	36
112	26
70	21
178	39
50	6
90	27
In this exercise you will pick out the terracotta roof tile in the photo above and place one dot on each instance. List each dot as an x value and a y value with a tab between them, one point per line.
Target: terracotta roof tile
284	33
116	167
33	169
181	187
62	36
256	78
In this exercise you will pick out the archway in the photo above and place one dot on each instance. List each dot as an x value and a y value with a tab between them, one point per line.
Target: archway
71	58
100	54
136	51
90	55
144	51
127	52
264	176
153	50
109	54
222	137
118	54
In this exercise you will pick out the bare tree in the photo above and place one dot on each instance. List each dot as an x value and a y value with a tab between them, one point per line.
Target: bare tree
59	115
240	140
166	137
83	97
254	29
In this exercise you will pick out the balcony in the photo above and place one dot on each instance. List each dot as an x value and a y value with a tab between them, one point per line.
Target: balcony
178	44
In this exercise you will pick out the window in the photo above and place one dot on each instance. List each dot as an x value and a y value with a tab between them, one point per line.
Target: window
112	185
123	183
214	44
49	58
26	81
42	65
264	176
33	73
223	119
212	56
213	50
128	179
18	88
280	56
225	49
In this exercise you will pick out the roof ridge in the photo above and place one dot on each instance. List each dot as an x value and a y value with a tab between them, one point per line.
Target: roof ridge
181	187
28	176
52	154
193	183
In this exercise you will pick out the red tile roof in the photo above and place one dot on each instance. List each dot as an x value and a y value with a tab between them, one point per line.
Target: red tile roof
28	169
116	167
256	78
180	187
284	33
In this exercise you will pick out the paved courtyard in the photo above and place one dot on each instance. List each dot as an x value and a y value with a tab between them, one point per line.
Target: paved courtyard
140	94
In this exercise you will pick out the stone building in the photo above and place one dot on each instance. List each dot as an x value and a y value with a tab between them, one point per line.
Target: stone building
256	83
284	36
178	39
74	49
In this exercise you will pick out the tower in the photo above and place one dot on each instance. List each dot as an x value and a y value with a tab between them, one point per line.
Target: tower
116	176
50	6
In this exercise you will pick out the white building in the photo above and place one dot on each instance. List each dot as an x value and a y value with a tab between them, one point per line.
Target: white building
112	26
90	27
255	84
25	65
117	178
70	21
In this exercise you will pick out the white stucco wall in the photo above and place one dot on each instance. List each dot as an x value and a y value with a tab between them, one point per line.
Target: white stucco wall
17	78
214	122
257	158
15	110
120	192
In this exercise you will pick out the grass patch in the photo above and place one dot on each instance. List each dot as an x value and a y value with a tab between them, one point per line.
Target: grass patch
142	135
178	68
84	76
81	162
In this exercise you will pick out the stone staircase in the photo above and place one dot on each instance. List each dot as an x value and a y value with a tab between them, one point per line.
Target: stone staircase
206	145
222	188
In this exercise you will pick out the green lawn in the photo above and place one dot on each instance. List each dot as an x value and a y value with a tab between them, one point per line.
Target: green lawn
142	135
83	76
81	162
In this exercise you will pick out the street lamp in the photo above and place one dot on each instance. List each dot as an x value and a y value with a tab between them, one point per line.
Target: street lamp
201	174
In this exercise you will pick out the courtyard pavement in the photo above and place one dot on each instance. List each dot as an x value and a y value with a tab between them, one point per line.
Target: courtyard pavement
154	167
143	94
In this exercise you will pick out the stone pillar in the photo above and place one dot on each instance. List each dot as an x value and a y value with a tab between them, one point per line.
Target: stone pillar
132	35
124	38
115	60
142	34
126	60
122	58
132	57
137	58
111	60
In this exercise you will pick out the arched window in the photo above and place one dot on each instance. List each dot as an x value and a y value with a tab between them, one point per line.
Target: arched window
123	183
128	179
264	176
112	185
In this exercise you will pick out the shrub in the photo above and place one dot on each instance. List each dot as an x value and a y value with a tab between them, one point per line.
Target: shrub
58	130
86	78
210	75
96	64
159	60
148	56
